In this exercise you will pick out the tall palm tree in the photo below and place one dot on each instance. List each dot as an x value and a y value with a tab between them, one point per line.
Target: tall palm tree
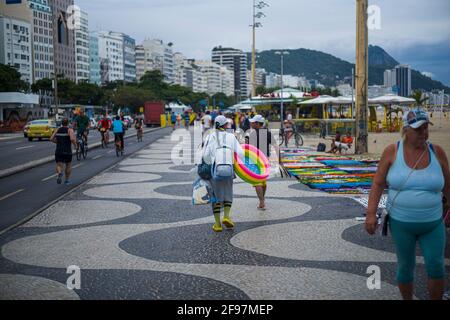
418	96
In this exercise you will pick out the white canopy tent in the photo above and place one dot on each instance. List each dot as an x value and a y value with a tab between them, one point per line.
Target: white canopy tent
391	99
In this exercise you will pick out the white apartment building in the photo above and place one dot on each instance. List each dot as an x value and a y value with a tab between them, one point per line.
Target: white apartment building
42	27
157	56
143	62
216	78
82	47
273	80
16	46
110	51
390	78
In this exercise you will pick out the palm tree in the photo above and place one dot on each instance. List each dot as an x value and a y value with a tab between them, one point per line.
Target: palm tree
418	96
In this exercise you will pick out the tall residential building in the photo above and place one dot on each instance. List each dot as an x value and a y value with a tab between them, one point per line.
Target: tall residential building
143	63
64	39
82	47
403	76
390	78
273	80
16	37
235	60
129	57
155	55
15	46
110	51
94	60
42	25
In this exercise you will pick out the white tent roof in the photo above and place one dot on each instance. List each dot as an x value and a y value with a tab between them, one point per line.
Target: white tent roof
391	99
240	107
319	100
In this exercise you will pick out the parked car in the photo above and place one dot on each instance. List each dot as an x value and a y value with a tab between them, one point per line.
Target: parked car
40	129
26	128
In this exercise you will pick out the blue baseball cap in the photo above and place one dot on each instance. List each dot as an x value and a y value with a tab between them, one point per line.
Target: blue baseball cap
415	119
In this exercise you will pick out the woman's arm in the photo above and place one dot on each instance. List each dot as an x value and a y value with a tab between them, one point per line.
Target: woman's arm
378	186
73	139
443	160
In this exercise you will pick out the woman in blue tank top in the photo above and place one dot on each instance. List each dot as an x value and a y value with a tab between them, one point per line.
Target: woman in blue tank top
416	175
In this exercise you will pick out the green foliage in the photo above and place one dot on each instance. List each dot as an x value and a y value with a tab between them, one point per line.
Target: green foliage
42	85
418	96
10	80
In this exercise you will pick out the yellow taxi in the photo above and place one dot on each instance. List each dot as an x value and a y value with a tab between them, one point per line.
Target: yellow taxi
41	129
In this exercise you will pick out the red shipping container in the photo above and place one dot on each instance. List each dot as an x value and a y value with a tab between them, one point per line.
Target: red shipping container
153	112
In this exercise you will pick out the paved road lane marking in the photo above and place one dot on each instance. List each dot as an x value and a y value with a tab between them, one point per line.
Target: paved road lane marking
97	157
11	194
54	175
27	147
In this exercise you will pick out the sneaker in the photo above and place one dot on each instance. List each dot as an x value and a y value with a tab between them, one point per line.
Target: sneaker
228	223
59	179
217	228
67	183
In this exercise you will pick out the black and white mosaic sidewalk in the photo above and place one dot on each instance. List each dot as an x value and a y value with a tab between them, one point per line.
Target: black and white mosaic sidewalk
135	235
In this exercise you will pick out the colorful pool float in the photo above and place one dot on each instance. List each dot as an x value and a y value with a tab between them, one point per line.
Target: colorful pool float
255	169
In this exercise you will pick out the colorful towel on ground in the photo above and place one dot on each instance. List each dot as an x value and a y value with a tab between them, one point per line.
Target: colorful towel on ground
330	173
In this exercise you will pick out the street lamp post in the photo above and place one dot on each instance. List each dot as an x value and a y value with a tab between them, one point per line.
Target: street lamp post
256	15
282	54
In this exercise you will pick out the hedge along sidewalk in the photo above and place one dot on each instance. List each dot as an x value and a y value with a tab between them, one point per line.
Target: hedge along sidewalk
32	164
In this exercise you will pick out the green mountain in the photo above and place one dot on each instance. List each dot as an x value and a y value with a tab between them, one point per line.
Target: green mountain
328	69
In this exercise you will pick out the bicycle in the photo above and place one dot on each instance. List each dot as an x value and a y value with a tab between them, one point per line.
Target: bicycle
284	137
82	148
119	147
140	135
105	138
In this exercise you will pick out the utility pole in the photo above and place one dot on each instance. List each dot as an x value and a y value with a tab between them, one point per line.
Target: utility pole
256	15
362	72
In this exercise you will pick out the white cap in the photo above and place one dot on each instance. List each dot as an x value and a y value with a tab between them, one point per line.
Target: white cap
258	118
221	120
415	119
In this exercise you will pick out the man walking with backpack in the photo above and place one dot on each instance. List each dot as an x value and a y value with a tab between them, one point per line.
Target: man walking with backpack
219	153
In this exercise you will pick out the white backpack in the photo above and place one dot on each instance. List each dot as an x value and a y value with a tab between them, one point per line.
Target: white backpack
222	168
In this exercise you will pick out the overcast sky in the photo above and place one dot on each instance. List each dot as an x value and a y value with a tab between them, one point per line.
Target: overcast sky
412	31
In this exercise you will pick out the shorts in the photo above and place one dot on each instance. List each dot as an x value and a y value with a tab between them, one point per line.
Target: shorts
261	184
63	158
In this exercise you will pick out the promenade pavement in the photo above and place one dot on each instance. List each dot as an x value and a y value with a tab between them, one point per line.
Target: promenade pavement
134	234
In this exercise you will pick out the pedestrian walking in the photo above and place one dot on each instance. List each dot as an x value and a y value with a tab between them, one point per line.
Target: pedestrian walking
417	175
64	138
219	152
263	140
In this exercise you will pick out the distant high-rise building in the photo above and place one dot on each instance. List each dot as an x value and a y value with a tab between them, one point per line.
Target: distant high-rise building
403	76
64	39
94	60
260	79
42	27
390	78
110	51
82	47
129	57
218	78
155	55
235	60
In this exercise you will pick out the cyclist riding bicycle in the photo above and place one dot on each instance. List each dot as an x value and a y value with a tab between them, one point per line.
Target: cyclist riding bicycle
82	124
138	124
119	131
104	126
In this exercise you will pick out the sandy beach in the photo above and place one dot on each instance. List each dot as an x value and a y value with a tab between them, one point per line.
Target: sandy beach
439	134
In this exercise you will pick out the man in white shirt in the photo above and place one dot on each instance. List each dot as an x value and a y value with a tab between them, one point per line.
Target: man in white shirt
206	122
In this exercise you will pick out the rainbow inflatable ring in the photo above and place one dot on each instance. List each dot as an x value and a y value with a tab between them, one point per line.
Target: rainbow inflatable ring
256	168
